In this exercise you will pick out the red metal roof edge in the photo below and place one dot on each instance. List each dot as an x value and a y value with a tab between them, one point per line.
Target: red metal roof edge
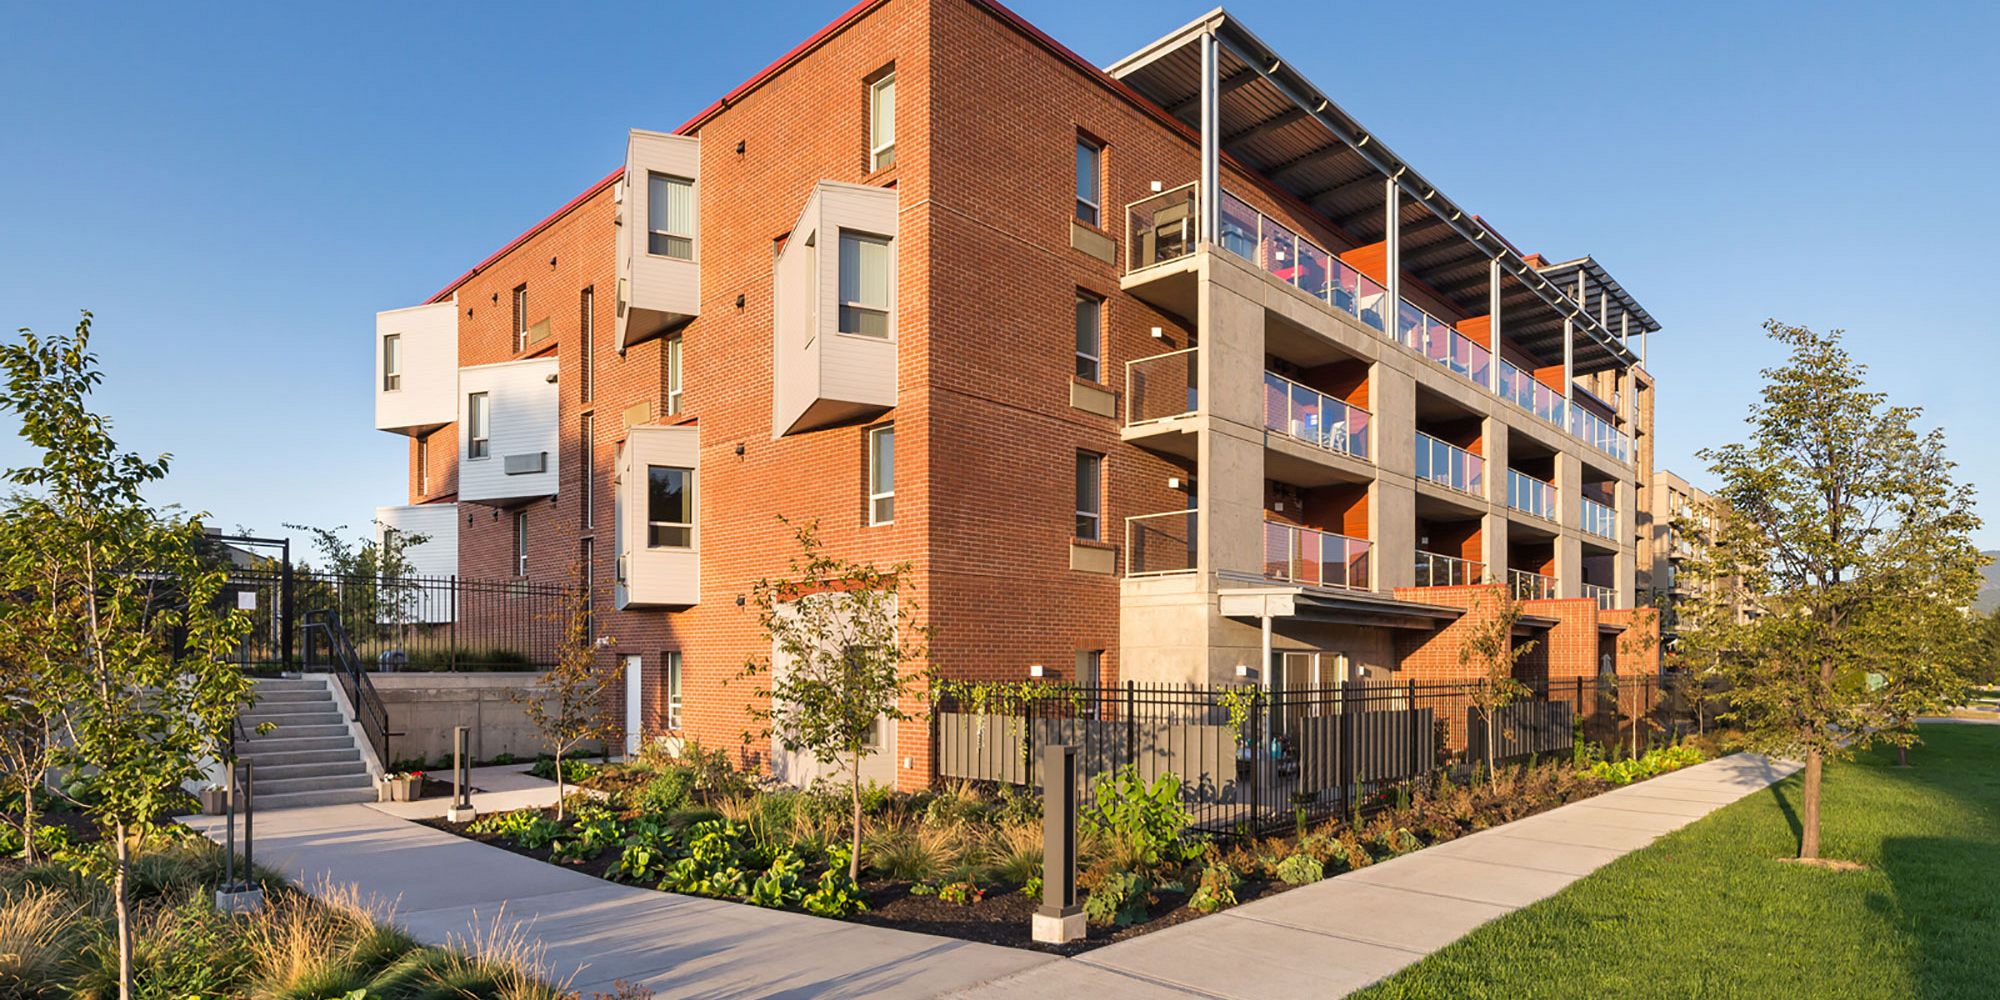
854	13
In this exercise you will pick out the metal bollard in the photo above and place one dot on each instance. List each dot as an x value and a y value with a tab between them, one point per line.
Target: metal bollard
1059	920
461	810
241	895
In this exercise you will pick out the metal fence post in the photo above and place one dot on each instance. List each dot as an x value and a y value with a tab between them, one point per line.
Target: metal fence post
1131	727
461	776
285	607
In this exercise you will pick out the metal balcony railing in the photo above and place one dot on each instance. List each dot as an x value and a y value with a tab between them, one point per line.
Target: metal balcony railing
1299	262
1161	228
1162	387
1528	586
1529	495
1606	597
1161	544
1435	339
1598	519
1316	558
1309	415
1435	569
1450	466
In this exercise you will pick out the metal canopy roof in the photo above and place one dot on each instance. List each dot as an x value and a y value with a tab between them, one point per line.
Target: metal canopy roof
1600	291
1277	123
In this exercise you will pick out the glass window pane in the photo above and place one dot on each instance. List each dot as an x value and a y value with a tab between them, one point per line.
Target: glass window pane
1089	336
670	216
1089	495
882	123
669	506
882	470
1086	182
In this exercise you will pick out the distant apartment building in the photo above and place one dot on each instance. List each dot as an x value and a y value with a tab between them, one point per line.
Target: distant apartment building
1166	372
1689	519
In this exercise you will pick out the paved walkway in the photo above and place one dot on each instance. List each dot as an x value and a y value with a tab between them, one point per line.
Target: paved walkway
1336	936
1321	940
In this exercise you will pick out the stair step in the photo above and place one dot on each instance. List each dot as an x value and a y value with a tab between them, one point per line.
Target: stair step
288	698
322	797
267	771
327	716
298	729
345	755
255	749
323	782
291	684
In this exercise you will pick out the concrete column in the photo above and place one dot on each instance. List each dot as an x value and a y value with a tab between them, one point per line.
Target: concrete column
1569	509
1393	397
1627	566
1211	143
1230	479
1493	546
1392	499
1493	446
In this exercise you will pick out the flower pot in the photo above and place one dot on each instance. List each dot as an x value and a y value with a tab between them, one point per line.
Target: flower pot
408	789
214	801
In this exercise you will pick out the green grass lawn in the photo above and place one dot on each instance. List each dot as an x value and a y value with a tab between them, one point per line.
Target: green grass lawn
1711	911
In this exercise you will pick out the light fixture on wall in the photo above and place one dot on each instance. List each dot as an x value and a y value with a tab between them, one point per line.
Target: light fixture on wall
1158	335
739	147
1156	187
1034	670
739	300
1173	482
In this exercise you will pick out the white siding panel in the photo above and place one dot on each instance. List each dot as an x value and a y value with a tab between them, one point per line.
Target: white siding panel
841	376
436	556
655	577
430	368
660	292
525	421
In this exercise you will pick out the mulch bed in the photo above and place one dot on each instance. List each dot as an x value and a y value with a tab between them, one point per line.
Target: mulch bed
1001	918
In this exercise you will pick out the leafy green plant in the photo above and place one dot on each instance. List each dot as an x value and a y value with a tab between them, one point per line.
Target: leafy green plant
779	886
667	791
837	895
649	847
1216	890
961	893
1654	762
1119	899
1148	822
1300	869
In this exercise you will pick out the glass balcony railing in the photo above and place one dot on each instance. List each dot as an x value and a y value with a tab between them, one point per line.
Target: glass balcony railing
1161	228
1161	544
1529	495
1311	416
1162	387
1298	262
1435	339
1435	569
1530	586
1449	465
1599	519
1605	597
1315	558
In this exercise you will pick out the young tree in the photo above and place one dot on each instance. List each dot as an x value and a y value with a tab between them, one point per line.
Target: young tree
1488	646
572	706
26	750
114	605
843	639
1851	531
1711	612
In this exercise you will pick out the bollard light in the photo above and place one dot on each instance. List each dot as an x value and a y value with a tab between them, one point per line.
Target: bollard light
1059	920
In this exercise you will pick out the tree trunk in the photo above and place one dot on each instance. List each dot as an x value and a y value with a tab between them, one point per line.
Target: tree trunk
1809	807
559	785
854	796
28	820
1902	755
122	908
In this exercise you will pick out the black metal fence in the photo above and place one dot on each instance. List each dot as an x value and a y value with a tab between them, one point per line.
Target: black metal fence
1253	760
403	623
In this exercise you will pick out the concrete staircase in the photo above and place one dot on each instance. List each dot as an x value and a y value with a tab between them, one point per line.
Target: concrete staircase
309	759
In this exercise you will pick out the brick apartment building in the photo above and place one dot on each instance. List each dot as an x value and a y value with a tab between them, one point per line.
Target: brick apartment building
1164	372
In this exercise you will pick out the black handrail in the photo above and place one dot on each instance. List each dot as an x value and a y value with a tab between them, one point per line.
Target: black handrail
368	707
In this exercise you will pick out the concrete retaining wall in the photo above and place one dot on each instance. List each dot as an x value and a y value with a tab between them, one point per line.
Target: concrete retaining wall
424	707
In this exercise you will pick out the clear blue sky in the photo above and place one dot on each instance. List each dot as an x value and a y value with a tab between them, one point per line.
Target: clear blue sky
236	190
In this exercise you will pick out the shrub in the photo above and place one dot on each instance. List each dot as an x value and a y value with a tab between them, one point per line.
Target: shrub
1216	890
961	893
649	847
1300	869
1118	899
836	895
779	885
717	856
1145	823
913	854
1624	772
1014	853
666	792
38	929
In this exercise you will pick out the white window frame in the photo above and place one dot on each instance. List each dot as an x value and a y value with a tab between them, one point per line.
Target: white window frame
1094	361
392	362
1095	517
676	374
1093	200
520	318
887	309
423	465
881	500
520	543
688	490
882	127
673	679
478	426
668	234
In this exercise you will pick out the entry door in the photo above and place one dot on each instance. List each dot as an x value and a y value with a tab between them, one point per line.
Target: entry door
635	704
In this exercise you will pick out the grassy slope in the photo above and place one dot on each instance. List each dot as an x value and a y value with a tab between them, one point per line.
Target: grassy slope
1709	912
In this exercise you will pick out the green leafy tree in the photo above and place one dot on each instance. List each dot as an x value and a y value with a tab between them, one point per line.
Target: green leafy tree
1854	541
1711	613
369	582
1488	647
27	706
112	600
843	640
571	708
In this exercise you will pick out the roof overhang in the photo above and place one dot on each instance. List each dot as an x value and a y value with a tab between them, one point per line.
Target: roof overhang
1323	606
1276	123
1598	286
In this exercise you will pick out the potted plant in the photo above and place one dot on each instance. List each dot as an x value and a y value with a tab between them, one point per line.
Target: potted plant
405	786
214	800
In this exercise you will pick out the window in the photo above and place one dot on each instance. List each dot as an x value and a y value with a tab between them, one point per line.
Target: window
520	318
586	560
424	466
670	216
671	667
864	284
476	421
882	123
520	543
392	362
1089	160
586	348
1089	676
669	507
673	375
1089	336
1089	495
882	475
588	432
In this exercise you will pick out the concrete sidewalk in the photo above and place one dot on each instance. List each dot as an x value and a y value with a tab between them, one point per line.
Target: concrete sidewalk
1336	936
441	887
